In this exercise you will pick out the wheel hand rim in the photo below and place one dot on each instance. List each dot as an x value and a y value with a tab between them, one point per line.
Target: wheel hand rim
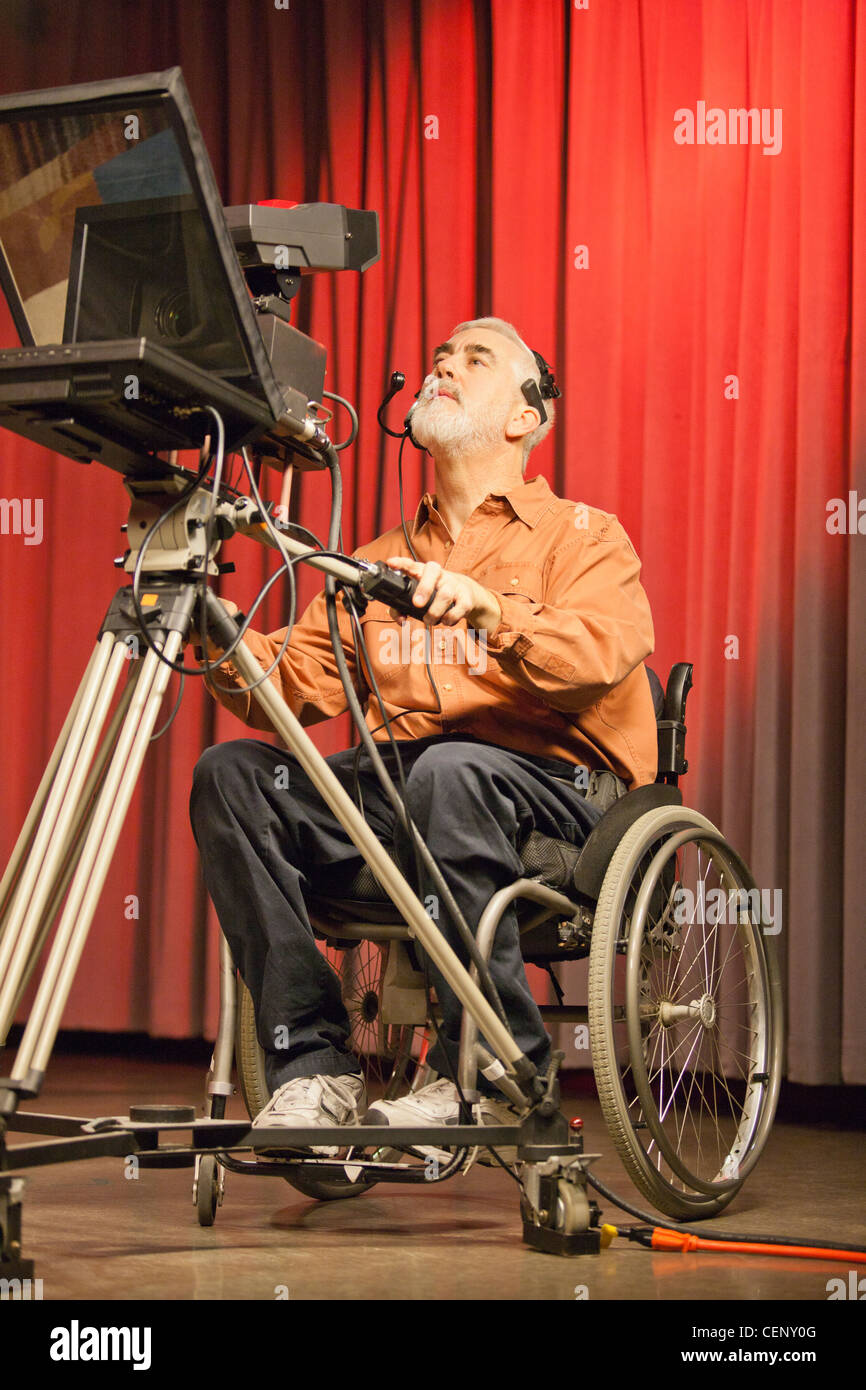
654	1112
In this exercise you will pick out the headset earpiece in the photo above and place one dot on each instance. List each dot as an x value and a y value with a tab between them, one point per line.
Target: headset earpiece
532	396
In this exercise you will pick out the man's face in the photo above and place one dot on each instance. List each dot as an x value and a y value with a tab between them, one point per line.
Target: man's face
471	394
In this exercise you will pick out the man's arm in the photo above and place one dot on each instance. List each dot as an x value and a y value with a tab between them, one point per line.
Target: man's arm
307	677
571	650
593	629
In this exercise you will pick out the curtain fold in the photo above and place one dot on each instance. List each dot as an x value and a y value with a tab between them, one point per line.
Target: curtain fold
702	305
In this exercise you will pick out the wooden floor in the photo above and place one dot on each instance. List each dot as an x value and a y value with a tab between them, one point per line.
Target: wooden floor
96	1234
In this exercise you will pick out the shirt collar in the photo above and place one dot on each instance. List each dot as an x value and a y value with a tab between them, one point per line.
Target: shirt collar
529	501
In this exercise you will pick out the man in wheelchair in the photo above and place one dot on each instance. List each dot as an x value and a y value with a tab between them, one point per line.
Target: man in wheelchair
522	685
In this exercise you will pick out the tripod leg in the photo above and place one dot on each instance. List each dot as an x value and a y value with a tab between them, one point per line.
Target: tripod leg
107	821
78	832
43	866
38	802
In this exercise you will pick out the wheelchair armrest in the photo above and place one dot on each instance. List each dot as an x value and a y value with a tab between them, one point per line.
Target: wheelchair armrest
679	685
671	724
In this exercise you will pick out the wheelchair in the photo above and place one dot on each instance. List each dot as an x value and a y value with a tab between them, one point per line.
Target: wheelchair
684	1010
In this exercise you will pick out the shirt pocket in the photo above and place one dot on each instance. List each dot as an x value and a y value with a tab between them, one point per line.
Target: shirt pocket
519	578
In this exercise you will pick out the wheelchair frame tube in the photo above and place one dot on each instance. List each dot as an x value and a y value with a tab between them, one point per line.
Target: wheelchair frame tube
417	920
471	1059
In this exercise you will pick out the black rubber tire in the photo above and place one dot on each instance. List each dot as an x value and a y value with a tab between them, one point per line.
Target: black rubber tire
207	1191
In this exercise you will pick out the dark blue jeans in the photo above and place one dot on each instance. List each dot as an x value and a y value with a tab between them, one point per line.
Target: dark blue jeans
268	841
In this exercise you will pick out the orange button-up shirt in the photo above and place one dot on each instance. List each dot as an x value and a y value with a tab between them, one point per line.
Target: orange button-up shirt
561	676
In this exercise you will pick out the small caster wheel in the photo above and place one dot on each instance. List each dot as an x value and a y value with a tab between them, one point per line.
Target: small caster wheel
572	1208
207	1189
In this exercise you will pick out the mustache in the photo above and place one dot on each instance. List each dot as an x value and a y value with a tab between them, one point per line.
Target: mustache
430	390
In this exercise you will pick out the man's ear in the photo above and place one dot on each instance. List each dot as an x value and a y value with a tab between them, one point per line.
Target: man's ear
524	419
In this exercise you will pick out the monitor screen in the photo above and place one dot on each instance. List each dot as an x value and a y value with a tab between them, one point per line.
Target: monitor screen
111	226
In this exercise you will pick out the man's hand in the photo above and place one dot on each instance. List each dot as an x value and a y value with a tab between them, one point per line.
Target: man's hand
456	596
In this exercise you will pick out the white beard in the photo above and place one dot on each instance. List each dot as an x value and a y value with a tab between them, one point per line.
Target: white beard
448	425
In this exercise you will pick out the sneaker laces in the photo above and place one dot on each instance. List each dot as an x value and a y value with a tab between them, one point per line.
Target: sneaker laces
440	1088
331	1088
292	1091
338	1087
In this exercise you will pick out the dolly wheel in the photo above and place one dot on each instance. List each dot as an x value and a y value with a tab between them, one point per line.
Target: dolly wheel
207	1190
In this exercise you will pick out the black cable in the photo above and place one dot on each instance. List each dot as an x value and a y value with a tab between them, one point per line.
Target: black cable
207	666
386	724
208	524
394	718
288	562
168	723
242	631
310	535
354	705
402	511
390	719
373	752
288	565
334	532
360	646
468	941
357	795
374	686
417	842
332	396
414	835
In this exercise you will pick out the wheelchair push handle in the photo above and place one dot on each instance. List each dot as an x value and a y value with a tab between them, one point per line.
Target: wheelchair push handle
379	581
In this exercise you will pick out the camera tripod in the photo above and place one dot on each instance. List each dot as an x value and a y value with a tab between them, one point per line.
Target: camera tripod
65	849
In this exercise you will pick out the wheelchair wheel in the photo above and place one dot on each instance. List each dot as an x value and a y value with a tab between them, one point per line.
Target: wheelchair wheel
388	1053
685	1013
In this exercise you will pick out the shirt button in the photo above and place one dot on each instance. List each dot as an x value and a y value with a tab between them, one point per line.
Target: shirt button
515	581
448	687
447	545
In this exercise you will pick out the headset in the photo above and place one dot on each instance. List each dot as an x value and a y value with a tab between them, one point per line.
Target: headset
535	396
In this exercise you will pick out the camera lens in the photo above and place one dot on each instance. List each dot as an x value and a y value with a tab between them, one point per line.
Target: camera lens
172	315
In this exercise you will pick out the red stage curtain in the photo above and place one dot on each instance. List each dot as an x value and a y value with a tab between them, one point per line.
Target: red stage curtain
703	308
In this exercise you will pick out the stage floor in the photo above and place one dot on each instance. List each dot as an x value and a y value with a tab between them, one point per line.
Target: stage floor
95	1234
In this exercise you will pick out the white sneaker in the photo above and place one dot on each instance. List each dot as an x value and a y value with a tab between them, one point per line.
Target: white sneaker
439	1104
317	1102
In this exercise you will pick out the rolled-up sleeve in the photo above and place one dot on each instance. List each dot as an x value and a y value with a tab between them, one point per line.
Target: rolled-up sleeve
592	629
306	678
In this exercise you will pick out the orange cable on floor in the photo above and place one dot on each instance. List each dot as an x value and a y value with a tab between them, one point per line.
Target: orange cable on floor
661	1238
